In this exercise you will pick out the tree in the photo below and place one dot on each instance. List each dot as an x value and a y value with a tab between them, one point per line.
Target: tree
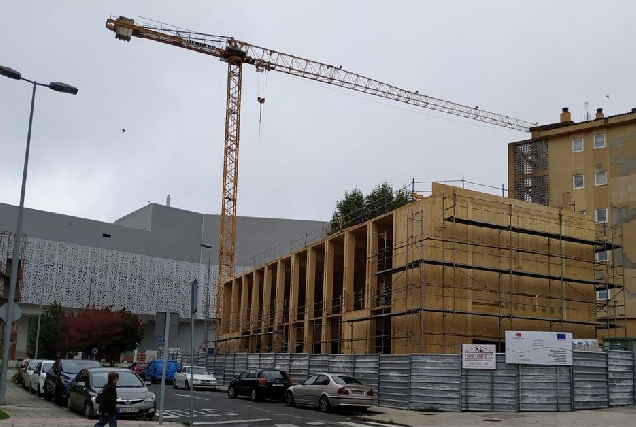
50	333
355	208
110	332
349	211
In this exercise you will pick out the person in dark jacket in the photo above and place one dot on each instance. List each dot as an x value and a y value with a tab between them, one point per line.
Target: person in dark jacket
108	402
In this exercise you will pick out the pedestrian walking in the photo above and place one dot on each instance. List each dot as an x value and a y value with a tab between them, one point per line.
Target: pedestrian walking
107	400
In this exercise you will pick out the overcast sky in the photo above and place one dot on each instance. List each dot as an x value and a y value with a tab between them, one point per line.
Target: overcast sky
525	59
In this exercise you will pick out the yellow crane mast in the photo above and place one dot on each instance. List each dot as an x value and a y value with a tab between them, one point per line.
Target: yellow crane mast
236	53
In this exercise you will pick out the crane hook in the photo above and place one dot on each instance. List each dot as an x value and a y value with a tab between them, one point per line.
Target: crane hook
260	100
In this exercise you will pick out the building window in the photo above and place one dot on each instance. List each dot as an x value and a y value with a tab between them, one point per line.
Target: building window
599	141
602	295
600	178
602	256
600	215
582	212
578	181
577	145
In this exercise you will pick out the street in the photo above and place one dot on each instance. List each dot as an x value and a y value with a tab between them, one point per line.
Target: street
215	408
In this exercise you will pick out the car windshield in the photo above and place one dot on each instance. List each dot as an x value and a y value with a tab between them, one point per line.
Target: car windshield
342	380
46	366
272	375
74	366
197	370
126	379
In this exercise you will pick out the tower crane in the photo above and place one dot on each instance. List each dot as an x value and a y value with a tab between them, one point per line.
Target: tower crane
236	53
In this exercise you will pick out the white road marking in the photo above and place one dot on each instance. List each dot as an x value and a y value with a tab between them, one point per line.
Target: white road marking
187	395
349	423
214	423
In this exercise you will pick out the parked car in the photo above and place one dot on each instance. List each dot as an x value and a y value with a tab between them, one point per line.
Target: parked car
154	370
38	376
139	368
201	377
326	391
21	370
28	371
60	375
259	384
133	397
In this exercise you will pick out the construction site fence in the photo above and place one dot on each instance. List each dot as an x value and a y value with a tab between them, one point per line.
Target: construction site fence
437	382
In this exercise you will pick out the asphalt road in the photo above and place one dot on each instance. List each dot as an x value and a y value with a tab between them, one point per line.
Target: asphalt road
212	408
215	408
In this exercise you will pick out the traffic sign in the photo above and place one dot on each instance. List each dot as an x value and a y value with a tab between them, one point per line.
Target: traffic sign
94	351
161	341
17	312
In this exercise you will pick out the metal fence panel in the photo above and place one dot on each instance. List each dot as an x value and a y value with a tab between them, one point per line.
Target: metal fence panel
620	366
228	367
478	390
366	369
505	386
240	363
318	363
393	384
544	388
253	360
341	364
299	367
266	360
590	380
435	382
282	361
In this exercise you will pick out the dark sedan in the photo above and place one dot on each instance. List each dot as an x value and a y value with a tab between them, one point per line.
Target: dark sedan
260	384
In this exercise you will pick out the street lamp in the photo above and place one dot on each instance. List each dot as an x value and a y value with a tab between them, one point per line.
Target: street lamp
58	87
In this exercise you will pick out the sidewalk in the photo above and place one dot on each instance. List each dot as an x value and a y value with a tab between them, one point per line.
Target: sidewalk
27	409
620	416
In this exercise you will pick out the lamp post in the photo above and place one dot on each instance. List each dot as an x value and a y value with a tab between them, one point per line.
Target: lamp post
207	301
37	335
58	87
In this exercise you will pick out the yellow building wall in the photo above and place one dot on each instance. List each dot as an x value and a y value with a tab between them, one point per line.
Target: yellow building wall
618	158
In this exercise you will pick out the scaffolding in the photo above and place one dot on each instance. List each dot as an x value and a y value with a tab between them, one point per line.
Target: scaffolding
456	267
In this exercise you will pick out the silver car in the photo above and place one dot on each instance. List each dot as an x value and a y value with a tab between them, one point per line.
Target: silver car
133	397
327	391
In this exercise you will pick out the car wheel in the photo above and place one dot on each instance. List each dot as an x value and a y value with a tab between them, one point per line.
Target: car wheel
254	395
231	393
187	386
68	404
323	404
289	399
88	413
174	384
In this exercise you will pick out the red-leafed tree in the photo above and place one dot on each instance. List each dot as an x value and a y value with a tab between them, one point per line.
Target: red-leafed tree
110	332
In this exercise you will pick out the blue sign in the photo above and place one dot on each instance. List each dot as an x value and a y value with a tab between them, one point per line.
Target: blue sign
94	351
161	341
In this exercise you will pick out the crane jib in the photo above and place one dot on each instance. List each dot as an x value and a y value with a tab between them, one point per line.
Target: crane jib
235	53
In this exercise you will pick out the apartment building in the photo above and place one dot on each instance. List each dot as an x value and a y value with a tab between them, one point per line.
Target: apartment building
589	167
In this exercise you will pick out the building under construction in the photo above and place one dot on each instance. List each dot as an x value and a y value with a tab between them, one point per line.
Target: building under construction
455	267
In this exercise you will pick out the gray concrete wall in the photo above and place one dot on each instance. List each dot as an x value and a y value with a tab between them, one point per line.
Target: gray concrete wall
165	232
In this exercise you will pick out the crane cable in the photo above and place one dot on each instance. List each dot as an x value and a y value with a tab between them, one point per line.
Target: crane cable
259	98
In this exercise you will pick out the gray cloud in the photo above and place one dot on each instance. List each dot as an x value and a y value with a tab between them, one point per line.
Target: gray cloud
524	59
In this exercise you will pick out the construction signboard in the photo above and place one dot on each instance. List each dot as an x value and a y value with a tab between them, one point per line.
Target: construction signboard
539	348
479	356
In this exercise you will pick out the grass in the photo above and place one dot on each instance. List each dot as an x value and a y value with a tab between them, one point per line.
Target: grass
3	415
